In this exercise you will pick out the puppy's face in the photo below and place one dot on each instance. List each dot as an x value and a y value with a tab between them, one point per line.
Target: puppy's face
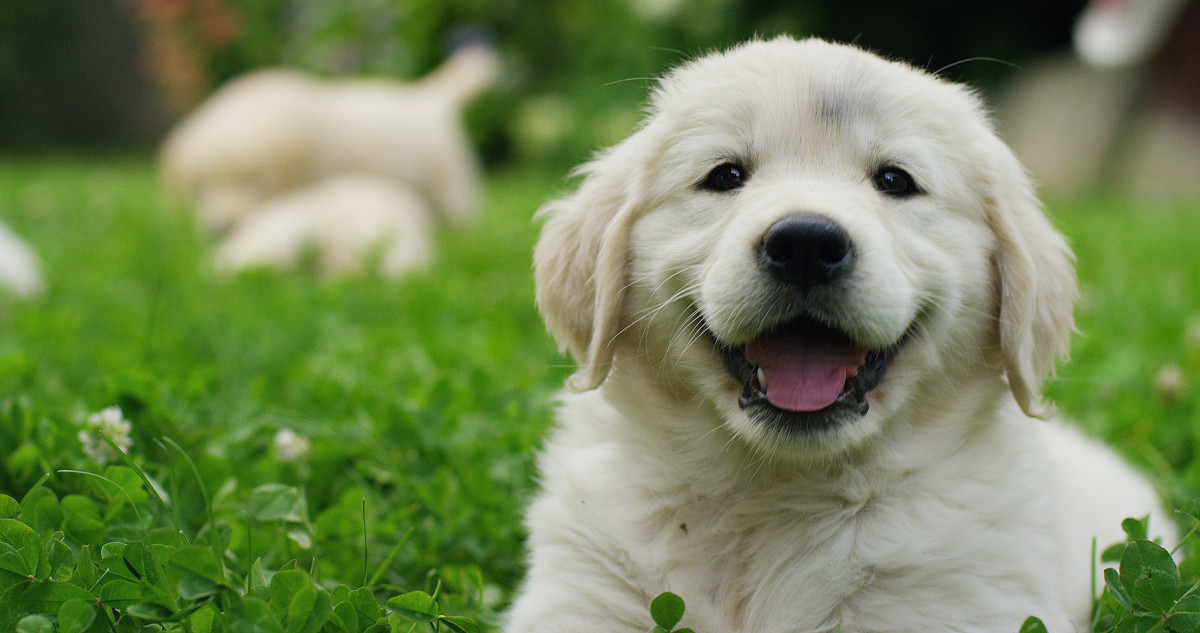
806	238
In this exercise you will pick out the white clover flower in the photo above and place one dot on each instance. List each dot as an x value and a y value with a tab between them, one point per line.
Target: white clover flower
657	10
1170	384
291	446
110	422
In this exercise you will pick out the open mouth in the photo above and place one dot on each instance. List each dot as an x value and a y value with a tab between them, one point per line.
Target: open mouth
804	376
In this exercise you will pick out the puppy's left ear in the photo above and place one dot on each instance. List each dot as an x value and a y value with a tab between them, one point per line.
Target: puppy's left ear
1038	287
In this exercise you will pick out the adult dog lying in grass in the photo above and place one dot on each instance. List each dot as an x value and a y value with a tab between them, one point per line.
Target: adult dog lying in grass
813	298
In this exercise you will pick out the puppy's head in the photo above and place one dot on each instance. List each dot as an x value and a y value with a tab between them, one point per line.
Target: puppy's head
808	238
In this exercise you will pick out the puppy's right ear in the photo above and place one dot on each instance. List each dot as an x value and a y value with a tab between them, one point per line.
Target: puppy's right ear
581	261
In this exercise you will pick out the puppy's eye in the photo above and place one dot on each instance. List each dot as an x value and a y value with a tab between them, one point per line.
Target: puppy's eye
725	177
894	181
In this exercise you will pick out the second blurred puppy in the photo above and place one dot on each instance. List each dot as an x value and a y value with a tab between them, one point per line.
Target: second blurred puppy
274	131
344	221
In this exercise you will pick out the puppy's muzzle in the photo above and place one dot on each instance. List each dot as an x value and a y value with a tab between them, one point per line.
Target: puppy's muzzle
806	251
806	374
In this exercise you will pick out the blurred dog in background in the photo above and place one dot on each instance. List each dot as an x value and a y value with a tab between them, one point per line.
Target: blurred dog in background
20	273
279	132
342	219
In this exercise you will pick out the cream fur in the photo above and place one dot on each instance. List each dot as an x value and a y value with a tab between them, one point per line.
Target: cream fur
274	131
345	219
947	507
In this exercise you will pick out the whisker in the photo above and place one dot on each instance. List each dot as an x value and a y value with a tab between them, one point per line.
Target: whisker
976	59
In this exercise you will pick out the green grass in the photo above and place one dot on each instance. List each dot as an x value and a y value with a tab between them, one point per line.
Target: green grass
423	400
1139	272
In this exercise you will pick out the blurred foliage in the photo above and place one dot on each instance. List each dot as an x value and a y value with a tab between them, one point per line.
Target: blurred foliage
575	69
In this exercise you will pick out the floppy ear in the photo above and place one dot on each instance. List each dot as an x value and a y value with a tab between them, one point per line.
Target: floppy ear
1037	281
580	262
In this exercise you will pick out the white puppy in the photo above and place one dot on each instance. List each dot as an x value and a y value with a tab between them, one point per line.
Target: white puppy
273	131
19	270
345	220
814	298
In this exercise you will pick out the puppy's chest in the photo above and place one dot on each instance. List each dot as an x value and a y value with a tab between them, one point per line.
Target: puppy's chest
814	550
812	563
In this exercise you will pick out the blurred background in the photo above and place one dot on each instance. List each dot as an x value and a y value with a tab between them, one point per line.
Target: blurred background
115	74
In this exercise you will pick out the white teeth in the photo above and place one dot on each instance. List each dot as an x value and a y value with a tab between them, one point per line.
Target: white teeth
762	378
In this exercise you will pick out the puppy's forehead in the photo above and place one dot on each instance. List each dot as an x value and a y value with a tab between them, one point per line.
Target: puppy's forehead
829	84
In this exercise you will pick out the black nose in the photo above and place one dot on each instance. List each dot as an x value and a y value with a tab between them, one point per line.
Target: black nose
806	250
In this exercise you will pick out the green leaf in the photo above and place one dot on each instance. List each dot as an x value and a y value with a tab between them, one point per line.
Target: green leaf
47	596
20	547
1192	508
1033	625
84	574
1112	553
40	509
9	508
1185	615
149	611
308	610
36	623
339	594
130	624
195	587
115	566
251	615
415	606
284	587
1112	580
301	537
79	505
1147	623
10	602
118	593
143	562
135	557
276	502
75	616
459	624
667	610
200	571
161	594
365	603
1136	529
60	557
202	620
345	616
1150	576
257	578
128	480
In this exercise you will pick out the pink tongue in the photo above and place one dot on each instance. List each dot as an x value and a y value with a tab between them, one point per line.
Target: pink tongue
801	374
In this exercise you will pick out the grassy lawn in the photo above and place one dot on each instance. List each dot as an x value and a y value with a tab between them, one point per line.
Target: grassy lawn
422	402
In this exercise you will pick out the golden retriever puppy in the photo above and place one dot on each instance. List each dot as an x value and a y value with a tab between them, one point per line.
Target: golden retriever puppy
813	299
20	273
273	131
345	220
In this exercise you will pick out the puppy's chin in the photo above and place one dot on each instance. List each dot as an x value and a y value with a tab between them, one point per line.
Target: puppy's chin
780	442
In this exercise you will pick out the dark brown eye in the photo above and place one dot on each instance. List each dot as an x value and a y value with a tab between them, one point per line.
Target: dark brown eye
896	182
725	177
